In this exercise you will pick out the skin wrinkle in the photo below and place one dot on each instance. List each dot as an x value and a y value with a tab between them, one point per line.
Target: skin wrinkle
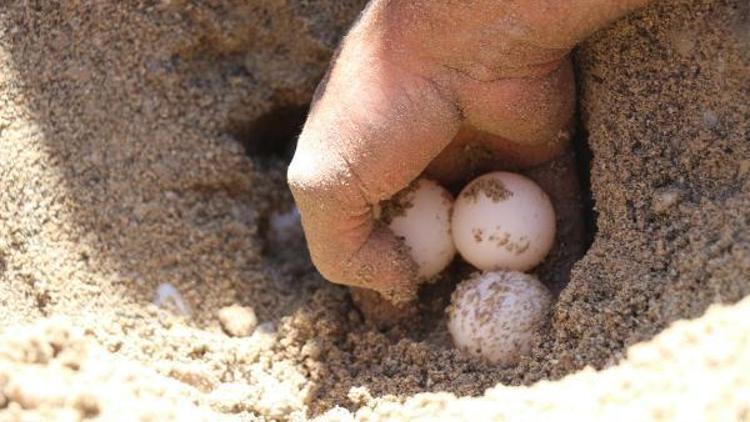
341	152
535	71
367	209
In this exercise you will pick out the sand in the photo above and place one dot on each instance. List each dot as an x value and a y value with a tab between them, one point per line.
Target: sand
142	154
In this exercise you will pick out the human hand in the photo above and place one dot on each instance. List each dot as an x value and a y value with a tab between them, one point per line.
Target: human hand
427	86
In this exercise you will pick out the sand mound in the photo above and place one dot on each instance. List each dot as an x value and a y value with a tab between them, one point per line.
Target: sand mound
142	150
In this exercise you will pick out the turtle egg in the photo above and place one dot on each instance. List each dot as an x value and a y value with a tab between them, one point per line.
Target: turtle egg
495	315
503	221
420	215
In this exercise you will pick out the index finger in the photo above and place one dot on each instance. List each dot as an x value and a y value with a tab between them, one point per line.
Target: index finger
374	129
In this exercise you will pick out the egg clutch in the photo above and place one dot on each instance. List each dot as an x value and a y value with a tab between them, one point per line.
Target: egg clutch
501	223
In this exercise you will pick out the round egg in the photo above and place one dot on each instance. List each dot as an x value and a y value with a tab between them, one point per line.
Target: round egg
503	220
495	315
420	215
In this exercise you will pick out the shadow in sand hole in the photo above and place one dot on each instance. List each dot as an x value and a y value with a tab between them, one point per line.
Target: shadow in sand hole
272	135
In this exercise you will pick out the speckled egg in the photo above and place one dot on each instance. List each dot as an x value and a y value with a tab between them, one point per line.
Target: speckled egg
503	220
495	315
420	215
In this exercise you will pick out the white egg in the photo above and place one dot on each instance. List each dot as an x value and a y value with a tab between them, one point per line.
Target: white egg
503	221
495	315
420	215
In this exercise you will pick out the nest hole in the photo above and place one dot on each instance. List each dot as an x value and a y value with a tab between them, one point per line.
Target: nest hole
269	141
273	135
584	156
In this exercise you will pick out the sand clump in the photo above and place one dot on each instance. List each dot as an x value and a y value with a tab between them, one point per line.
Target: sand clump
124	129
238	321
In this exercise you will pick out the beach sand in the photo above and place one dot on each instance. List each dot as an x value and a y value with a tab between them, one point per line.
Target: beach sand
142	164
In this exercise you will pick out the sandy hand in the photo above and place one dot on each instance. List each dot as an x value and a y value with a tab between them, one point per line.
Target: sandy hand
415	83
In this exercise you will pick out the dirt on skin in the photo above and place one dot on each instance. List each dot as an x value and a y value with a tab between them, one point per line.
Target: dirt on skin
130	216
396	206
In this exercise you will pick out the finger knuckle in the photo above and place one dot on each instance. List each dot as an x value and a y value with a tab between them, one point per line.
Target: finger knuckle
326	184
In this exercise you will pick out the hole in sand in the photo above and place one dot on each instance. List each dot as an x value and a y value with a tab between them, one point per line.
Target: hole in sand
273	135
583	160
269	141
